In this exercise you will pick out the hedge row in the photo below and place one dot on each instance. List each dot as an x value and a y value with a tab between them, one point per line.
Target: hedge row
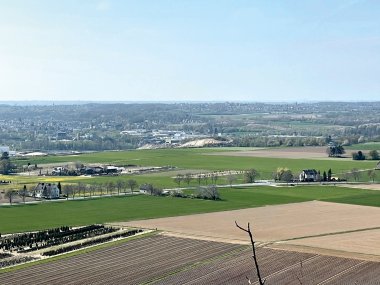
90	242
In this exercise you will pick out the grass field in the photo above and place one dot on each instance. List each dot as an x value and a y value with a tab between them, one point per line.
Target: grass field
50	214
198	159
365	146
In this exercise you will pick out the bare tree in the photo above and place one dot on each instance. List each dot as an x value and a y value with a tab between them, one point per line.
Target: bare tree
67	190
91	189
188	177
110	186
119	185
23	193
178	179
82	188
214	177
199	178
231	178
372	174
254	256
355	174
132	184
10	195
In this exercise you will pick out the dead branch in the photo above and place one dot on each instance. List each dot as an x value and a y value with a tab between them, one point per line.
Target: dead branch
248	231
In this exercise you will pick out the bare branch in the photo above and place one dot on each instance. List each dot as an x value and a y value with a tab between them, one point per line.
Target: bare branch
248	230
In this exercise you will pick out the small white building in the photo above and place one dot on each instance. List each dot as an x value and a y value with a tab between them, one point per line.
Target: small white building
309	175
46	190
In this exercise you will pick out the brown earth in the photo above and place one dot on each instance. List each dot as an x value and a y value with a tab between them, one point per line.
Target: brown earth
166	260
362	186
273	224
290	152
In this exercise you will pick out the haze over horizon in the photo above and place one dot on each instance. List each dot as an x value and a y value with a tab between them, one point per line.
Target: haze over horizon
250	51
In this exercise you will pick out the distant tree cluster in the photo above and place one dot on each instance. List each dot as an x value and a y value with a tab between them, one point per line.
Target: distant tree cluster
283	174
372	155
335	150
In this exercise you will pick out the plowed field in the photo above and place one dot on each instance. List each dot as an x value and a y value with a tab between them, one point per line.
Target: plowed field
168	260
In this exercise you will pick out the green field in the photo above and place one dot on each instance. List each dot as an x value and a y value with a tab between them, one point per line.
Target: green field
365	146
199	159
51	214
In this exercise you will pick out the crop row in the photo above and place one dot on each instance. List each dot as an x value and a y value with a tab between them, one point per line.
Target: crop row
5	255
168	260
90	242
132	262
37	240
15	260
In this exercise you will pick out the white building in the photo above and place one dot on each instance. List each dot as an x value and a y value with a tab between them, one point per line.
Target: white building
47	191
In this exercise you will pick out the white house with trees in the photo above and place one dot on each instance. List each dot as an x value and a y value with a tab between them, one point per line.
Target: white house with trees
309	175
46	190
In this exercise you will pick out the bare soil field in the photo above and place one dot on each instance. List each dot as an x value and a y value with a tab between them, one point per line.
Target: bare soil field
167	260
278	223
362	186
363	242
290	152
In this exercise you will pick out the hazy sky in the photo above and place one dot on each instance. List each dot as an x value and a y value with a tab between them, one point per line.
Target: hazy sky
198	50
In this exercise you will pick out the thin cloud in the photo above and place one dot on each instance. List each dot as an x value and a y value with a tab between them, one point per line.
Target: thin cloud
103	6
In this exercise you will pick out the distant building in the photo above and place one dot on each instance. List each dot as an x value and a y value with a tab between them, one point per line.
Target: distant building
46	190
308	175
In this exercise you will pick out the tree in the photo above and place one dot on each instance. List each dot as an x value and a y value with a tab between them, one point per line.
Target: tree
254	256
178	179
374	154
10	195
132	184
59	187
358	155
250	175
329	174
81	188
231	179
324	176
23	193
188	177
210	192
5	164
214	178
199	178
283	174
287	176
119	185
372	174
355	173
67	190
334	150
91	189
110	187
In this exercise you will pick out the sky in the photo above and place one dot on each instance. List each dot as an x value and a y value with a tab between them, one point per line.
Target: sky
190	50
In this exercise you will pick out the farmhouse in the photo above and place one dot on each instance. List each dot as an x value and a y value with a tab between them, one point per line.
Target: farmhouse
308	175
46	190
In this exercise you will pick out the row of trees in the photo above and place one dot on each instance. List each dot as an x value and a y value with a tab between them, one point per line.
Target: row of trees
109	188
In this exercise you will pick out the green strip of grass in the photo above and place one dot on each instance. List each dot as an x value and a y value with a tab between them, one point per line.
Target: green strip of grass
126	208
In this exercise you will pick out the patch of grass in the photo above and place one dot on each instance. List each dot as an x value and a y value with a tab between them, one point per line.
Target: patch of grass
125	208
198	159
365	146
